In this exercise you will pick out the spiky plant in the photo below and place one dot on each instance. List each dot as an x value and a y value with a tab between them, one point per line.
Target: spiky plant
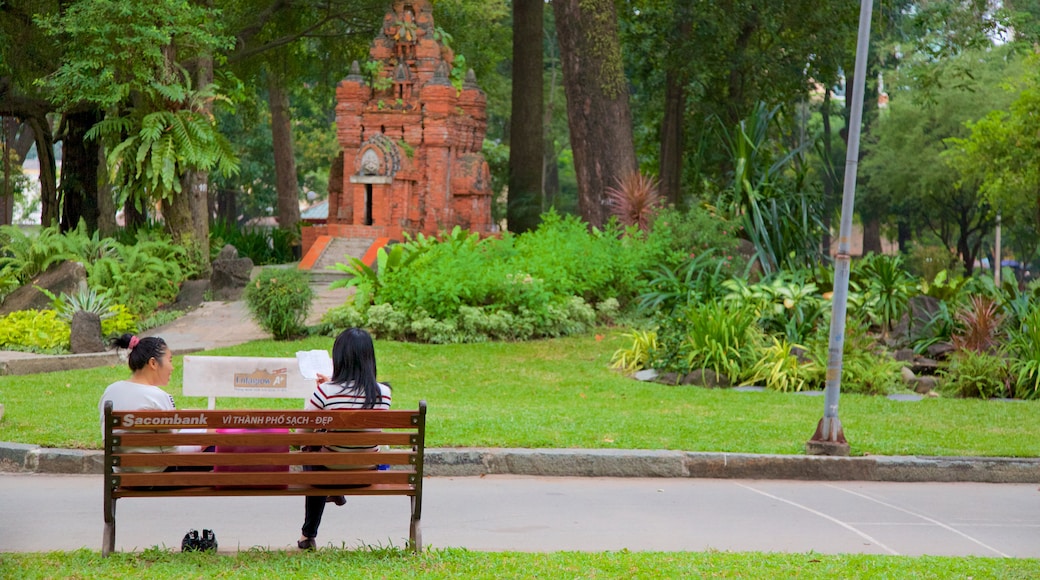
979	323
634	200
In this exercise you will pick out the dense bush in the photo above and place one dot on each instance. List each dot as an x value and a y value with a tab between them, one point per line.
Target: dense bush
279	300
556	280
35	331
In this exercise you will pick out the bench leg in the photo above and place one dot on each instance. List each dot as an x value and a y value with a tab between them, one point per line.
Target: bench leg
108	537
414	532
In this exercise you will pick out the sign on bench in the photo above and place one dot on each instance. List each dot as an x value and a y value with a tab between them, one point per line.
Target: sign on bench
244	376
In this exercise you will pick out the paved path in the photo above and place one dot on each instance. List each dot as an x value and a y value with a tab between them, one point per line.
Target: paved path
499	513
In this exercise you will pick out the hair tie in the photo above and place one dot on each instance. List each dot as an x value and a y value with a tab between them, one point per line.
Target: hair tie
133	342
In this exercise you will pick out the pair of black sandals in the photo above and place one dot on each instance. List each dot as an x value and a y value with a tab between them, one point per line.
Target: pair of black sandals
193	542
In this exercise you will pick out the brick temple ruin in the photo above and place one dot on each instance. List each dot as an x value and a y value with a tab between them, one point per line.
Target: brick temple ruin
411	143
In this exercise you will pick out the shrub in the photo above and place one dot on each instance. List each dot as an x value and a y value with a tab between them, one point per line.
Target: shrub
863	371
718	336
637	356
279	299
119	321
1024	345
679	235
264	246
780	369
976	374
35	331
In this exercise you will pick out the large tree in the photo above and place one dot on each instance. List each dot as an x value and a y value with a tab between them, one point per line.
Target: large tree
526	135
597	101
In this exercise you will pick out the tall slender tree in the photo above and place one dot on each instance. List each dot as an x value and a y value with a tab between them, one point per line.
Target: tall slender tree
526	134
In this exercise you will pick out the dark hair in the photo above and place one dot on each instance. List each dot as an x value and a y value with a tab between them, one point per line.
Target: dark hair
147	348
354	361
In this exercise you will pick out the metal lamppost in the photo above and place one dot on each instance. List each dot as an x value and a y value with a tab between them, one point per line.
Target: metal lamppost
829	438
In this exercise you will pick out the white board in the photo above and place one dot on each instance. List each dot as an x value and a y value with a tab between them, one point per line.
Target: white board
244	376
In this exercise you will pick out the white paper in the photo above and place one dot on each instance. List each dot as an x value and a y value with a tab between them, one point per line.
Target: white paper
313	362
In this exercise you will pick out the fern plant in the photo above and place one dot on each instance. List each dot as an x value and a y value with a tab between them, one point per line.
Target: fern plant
152	145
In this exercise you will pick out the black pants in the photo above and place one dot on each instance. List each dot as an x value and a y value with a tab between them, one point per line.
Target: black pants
314	506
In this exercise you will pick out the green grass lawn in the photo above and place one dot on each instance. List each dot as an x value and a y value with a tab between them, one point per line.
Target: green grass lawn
561	393
457	563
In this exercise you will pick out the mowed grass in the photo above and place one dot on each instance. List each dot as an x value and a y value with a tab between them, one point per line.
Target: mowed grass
457	563
561	393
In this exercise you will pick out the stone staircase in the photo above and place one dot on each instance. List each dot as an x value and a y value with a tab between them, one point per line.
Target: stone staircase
339	250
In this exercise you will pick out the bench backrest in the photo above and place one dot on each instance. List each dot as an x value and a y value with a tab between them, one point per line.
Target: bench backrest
402	431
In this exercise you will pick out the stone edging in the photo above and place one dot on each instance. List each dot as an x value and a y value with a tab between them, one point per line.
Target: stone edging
15	457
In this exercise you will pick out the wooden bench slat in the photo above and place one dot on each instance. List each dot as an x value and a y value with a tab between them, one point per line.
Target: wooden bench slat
381	489
190	478
265	419
296	458
265	439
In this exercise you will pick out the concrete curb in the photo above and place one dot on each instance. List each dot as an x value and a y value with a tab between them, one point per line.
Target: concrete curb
15	457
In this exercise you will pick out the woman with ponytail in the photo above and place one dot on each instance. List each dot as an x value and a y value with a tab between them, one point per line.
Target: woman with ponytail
353	385
151	364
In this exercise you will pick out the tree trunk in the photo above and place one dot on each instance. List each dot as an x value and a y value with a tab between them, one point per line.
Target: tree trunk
48	171
672	139
829	175
195	183
107	226
526	135
284	161
597	101
79	189
872	236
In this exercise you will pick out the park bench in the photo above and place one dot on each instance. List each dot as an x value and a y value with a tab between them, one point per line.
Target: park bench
403	432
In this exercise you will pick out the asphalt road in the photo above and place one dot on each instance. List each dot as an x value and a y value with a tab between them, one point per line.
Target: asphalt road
516	513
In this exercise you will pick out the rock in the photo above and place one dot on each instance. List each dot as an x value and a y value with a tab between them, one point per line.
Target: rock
668	378
905	397
940	350
228	252
64	278
646	375
86	333
924	366
192	294
904	355
908	376
925	384
230	274
707	378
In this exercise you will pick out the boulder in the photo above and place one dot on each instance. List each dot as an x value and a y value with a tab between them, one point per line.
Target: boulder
192	294
86	333
925	385
64	278
908	376
230	274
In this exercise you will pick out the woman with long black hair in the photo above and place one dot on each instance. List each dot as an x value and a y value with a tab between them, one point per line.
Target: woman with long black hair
353	386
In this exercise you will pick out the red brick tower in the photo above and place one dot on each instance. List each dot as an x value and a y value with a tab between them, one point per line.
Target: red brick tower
411	142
